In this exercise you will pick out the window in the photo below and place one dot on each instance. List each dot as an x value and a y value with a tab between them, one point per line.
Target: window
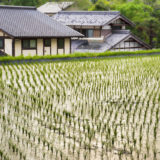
90	33
116	27
29	44
47	42
1	43
61	43
84	32
87	32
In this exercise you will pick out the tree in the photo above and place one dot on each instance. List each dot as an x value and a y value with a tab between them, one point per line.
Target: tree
93	1
102	5
80	4
144	13
147	24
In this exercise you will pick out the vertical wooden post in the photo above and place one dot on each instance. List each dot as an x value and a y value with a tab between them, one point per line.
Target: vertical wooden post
13	47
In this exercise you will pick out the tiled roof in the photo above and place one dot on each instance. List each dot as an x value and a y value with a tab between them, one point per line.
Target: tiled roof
54	7
88	18
109	43
28	22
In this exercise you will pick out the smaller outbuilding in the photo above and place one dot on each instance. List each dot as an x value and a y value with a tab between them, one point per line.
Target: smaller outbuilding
26	31
51	8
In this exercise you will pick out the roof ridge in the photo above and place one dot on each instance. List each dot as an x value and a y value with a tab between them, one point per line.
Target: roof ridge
109	12
17	7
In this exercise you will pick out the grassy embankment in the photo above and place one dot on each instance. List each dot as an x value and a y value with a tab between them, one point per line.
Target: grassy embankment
108	53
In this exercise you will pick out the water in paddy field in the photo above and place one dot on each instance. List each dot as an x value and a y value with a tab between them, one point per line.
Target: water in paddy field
83	110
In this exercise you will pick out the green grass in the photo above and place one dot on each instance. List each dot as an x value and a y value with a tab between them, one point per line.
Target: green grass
108	53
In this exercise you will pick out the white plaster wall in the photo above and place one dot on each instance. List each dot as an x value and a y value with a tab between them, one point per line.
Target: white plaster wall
40	47
18	47
47	50
131	44
121	45
123	27
53	46
136	44
29	52
106	27
127	44
67	46
60	51
8	46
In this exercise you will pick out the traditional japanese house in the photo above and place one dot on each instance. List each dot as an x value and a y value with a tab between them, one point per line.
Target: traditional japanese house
26	31
102	30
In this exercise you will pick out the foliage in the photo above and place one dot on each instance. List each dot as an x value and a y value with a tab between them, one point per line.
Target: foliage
81	4
102	5
144	13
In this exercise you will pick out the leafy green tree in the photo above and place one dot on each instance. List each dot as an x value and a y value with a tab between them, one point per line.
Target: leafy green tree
147	24
93	1
80	4
144	13
102	5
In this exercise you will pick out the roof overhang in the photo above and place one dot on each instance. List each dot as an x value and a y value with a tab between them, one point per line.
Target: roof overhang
7	33
135	38
125	19
21	37
18	7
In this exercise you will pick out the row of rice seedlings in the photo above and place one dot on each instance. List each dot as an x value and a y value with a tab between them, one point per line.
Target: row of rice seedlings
89	114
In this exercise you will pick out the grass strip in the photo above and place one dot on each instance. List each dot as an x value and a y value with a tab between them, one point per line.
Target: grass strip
108	53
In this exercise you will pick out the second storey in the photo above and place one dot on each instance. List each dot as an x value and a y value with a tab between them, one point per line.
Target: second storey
94	25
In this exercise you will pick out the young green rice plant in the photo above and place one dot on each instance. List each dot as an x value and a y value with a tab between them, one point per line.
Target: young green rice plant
58	109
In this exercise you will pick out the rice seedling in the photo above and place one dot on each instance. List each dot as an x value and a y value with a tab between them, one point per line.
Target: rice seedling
100	109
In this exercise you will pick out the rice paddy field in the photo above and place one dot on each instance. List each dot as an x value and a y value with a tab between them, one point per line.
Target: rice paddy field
107	109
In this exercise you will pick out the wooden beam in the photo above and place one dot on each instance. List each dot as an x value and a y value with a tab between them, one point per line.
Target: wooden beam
13	47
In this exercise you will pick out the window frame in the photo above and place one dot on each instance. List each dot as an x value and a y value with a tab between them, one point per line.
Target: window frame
1	38
47	45
29	47
58	43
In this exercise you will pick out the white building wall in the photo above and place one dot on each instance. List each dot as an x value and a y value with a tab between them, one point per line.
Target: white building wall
29	52
8	46
67	46
53	46
106	27
40	47
60	51
18	47
32	52
47	50
128	46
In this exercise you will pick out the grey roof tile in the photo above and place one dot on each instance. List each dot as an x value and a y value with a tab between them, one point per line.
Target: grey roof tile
109	43
88	18
28	22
